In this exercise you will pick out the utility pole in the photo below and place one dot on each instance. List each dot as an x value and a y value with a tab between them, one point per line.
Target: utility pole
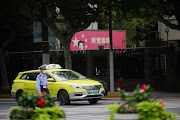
111	57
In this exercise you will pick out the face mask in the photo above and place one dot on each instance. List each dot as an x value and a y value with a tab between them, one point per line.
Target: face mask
44	71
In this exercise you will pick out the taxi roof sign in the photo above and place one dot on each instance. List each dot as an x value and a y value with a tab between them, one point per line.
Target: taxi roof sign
53	66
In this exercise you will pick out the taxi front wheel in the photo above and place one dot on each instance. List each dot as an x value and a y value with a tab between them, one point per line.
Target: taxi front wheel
63	98
93	101
18	95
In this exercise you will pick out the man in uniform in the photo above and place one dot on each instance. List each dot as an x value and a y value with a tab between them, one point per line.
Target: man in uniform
41	80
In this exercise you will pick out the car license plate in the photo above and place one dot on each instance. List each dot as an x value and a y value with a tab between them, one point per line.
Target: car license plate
93	92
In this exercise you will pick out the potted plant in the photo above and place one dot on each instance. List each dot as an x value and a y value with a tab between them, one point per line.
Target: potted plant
37	107
140	106
123	111
126	109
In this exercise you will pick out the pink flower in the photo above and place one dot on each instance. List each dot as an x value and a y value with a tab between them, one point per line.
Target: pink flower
138	85
133	108
144	86
142	91
130	109
126	106
30	109
121	104
9	114
118	89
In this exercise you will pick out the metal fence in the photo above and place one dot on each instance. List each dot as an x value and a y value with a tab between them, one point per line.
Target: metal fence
130	64
21	61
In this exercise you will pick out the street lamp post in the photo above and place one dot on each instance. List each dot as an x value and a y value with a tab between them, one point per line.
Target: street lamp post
111	57
167	31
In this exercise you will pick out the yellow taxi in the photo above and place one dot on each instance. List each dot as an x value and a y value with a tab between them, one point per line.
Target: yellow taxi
64	85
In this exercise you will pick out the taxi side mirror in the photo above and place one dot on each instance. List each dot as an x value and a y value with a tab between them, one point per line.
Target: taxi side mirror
50	80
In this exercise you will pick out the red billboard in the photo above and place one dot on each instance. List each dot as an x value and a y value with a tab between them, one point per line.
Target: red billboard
91	40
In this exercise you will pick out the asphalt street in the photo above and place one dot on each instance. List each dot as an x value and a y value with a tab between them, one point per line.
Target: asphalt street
82	110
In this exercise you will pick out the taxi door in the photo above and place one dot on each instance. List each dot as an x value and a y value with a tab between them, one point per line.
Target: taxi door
31	84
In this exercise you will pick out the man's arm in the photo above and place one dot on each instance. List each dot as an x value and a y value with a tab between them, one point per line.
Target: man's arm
47	83
38	84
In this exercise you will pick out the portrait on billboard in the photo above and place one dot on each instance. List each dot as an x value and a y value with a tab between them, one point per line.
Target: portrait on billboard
80	45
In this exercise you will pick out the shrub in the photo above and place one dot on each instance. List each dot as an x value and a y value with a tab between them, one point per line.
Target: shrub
36	107
124	107
31	101
128	105
139	94
113	108
142	93
154	111
48	113
20	113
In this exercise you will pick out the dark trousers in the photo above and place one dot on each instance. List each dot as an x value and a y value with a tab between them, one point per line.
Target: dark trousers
44	89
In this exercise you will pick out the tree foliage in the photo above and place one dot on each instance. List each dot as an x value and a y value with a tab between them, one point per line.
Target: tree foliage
75	15
63	17
12	23
138	17
136	27
159	10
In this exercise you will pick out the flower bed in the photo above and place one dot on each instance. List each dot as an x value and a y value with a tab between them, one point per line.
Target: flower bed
139	105
36	107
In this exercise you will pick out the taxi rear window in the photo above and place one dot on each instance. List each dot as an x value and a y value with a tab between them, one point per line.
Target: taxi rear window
30	76
24	76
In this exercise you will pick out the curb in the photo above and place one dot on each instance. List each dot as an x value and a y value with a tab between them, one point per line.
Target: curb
112	95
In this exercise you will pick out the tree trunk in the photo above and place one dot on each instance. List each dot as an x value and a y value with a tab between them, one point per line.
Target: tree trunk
67	55
66	44
66	41
3	73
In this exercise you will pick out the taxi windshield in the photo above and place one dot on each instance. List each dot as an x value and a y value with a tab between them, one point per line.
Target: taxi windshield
67	75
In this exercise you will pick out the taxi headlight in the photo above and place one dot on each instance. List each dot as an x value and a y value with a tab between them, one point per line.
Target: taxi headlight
77	87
